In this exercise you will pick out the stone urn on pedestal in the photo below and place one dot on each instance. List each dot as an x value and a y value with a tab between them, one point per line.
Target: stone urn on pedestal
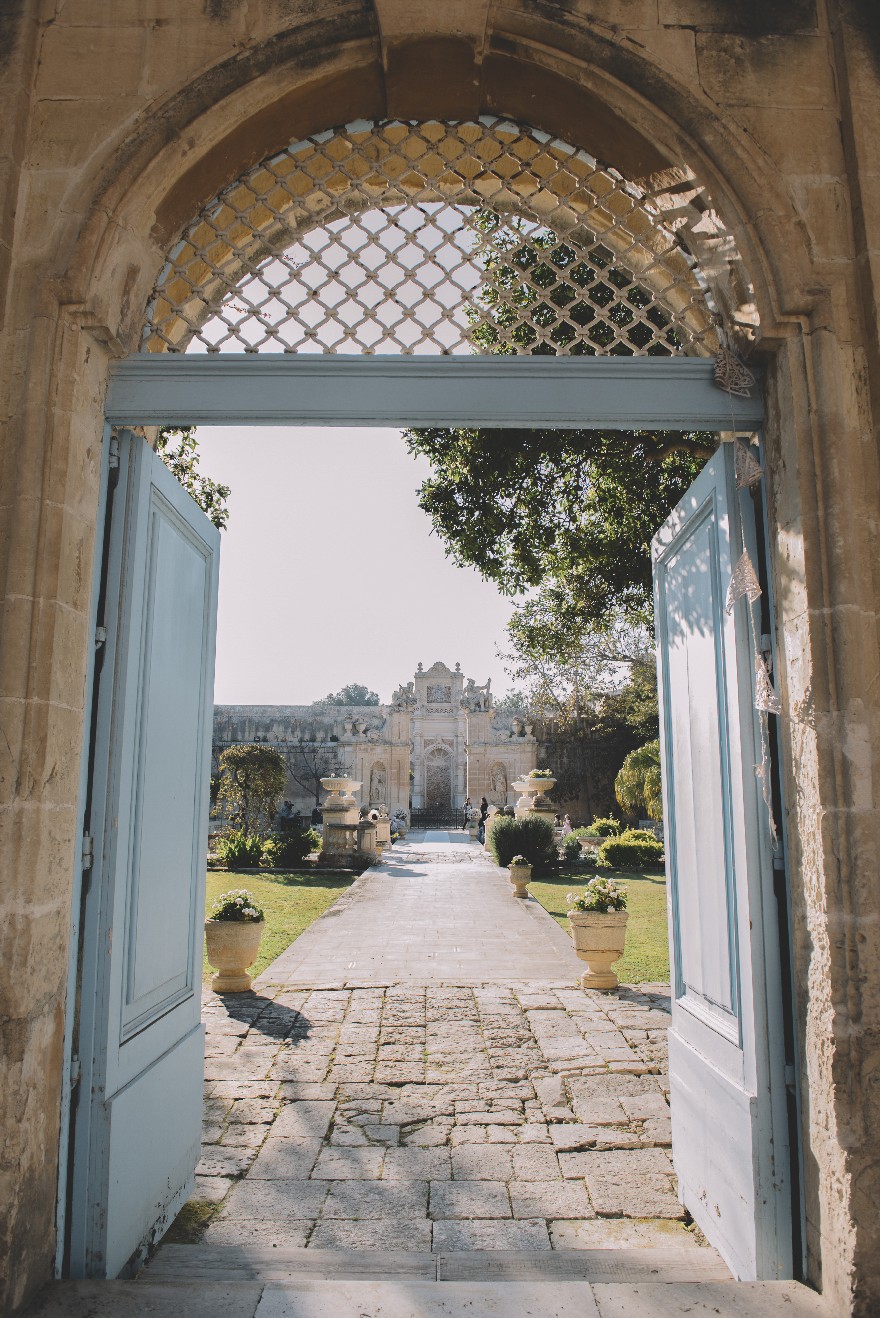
340	820
598	925
532	800
520	876
232	938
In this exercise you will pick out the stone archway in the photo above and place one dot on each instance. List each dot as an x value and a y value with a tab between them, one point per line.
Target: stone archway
150	165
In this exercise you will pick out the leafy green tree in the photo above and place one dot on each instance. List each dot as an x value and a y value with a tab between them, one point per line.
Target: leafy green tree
177	446
572	511
354	693
593	691
638	786
252	780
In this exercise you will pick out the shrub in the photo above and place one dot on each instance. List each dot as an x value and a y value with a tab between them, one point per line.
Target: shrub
290	847
641	835
238	849
606	827
236	906
530	837
602	895
571	850
631	853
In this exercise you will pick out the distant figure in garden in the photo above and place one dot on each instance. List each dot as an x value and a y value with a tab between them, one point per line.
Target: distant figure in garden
566	826
484	811
467	811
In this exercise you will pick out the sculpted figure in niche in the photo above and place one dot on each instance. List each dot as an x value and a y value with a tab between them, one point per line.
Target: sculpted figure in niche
377	784
499	784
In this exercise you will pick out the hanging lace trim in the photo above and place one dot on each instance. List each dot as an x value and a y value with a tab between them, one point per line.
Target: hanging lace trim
732	375
765	694
747	467
743	582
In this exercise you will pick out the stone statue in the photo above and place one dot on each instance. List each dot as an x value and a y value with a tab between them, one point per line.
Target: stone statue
499	784
377	784
477	698
405	696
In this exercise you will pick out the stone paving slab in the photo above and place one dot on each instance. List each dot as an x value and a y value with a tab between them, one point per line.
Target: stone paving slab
431	911
422	1071
406	1297
427	1300
468	1137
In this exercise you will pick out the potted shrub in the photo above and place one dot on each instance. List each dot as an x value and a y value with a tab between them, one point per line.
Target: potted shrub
598	924
232	934
520	875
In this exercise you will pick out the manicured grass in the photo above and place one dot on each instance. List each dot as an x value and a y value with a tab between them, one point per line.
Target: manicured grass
646	959
290	901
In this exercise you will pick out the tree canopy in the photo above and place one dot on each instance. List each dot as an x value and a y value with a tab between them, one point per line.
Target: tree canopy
177	446
572	511
353	693
638	786
252	779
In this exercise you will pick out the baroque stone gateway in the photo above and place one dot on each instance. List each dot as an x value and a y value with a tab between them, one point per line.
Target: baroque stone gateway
439	740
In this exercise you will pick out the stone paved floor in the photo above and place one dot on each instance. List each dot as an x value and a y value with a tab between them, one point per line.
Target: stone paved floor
517	1112
437	908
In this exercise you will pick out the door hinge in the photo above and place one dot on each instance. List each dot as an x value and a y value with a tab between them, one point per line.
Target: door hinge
100	637
75	1072
88	851
113	459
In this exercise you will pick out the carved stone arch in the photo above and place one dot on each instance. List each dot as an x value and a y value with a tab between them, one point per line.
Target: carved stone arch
670	139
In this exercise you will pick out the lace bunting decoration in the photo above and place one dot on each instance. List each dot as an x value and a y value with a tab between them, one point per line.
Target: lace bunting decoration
748	469
732	376
766	698
743	582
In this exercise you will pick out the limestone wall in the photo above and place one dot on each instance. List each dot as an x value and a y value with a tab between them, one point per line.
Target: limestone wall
119	121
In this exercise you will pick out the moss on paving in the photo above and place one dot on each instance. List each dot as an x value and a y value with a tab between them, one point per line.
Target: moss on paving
291	901
646	959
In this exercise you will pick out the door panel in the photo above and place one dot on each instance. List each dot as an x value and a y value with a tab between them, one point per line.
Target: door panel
134	1152
727	1063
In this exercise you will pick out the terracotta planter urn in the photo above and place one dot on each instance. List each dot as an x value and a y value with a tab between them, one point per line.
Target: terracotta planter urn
233	945
520	877
599	940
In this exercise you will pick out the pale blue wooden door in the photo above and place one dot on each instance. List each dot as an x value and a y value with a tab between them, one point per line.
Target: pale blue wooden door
726	1047
140	1040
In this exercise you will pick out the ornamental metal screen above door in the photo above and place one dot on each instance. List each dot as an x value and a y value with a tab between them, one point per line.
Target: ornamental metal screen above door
439	238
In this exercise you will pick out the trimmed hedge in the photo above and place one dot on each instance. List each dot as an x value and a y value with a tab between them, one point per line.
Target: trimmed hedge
530	837
629	852
607	827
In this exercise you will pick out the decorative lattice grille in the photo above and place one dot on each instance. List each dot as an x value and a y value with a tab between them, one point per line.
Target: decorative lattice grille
434	237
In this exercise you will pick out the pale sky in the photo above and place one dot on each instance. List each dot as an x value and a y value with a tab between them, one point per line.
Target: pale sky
329	573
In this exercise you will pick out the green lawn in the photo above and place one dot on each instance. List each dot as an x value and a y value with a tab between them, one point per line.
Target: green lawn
646	959
290	900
